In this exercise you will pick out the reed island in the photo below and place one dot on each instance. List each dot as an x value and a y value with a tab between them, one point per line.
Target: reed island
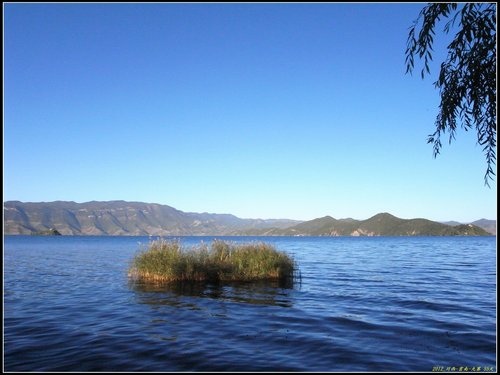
167	261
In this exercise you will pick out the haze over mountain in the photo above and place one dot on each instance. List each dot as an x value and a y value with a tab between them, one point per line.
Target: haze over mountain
137	218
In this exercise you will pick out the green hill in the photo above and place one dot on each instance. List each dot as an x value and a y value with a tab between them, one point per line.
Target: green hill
382	224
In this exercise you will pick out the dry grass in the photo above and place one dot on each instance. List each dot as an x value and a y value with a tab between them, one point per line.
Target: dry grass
165	261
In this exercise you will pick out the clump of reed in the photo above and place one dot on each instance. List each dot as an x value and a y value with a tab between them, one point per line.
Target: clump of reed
165	261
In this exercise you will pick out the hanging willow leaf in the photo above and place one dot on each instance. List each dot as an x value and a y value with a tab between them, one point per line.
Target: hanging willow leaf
467	78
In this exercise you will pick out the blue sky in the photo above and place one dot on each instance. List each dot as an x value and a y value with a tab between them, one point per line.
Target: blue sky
260	110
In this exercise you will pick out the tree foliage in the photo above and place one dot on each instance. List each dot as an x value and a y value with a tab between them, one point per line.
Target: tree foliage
467	78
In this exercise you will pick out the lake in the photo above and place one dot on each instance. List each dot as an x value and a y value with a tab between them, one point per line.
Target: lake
361	304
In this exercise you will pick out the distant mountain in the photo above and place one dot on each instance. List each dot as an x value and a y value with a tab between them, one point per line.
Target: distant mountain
452	223
124	218
382	224
489	226
137	218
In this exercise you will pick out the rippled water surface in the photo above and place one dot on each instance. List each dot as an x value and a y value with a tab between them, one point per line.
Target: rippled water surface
362	304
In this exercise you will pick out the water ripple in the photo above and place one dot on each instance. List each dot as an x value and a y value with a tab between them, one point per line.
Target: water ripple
381	304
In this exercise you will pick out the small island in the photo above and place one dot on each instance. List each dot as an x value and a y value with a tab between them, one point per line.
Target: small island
167	261
47	232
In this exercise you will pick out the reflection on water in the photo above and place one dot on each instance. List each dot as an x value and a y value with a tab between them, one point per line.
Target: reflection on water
363	305
269	292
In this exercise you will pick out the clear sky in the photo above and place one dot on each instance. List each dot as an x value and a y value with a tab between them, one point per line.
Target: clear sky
260	110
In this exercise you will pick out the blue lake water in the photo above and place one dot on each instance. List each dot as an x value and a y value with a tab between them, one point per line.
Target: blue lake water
362	304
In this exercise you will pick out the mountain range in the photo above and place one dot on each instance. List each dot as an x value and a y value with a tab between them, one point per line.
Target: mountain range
383	224
137	218
124	218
